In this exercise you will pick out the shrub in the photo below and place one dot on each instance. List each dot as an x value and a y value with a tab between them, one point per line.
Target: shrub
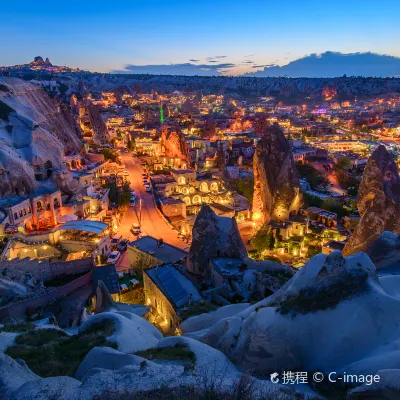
39	337
49	352
197	309
18	327
178	352
327	296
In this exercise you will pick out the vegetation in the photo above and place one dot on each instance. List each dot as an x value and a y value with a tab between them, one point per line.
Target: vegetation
50	352
178	352
143	261
109	155
119	197
312	299
5	111
245	187
208	386
131	145
196	309
312	201
18	327
314	177
313	250
263	239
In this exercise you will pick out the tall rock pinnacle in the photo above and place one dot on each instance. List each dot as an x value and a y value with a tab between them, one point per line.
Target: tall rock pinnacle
378	201
277	191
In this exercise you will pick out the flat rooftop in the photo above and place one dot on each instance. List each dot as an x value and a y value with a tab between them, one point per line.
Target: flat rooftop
165	253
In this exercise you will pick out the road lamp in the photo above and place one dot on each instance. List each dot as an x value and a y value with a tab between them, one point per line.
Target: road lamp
140	212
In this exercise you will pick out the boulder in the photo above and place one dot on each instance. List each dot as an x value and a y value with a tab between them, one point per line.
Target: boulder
332	315
388	387
277	191
60	388
13	374
105	358
104	301
378	201
131	334
213	236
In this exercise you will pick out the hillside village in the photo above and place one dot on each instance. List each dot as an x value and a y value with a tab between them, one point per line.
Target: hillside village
190	244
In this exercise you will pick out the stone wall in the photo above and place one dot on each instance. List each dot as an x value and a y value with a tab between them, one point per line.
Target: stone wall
160	304
19	309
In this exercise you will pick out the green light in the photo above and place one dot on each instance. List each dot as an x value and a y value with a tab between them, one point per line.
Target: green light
161	115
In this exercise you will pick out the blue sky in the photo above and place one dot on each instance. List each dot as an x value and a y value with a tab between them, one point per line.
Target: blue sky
106	36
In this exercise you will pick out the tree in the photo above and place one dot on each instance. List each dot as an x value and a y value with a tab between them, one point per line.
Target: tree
109	155
143	261
263	240
245	187
343	163
312	175
131	145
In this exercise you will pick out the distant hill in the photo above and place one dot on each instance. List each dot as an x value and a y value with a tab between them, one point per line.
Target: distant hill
331	64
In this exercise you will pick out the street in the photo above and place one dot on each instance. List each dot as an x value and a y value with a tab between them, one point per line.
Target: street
152	223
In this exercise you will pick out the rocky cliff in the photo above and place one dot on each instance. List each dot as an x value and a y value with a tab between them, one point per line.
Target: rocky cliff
174	145
213	236
34	135
33	103
378	201
276	185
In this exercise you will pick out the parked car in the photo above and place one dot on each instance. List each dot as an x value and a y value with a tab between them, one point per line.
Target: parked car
115	240
147	188
133	193
113	257
135	229
123	245
132	201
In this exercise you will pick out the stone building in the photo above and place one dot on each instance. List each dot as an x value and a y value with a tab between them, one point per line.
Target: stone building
194	189
168	291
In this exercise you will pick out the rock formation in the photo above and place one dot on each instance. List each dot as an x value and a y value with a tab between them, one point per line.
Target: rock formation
378	201
99	127
276	185
213	236
104	300
174	145
301	327
35	133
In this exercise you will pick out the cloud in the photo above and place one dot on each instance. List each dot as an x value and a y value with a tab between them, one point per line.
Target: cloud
250	55
215	58
248	62
264	66
333	64
188	69
195	61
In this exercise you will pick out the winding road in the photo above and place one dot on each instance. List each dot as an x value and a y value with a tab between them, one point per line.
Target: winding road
152	222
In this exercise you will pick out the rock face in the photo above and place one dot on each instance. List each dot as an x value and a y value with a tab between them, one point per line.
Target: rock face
174	144
276	185
35	132
300	327
213	236
104	300
378	201
99	127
